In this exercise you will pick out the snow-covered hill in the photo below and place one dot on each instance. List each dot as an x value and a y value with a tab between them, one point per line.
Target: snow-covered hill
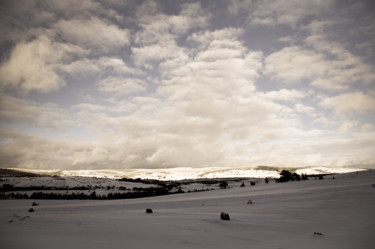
324	214
191	173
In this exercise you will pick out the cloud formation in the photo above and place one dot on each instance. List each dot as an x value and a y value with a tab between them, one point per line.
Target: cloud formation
33	65
94	34
350	103
144	84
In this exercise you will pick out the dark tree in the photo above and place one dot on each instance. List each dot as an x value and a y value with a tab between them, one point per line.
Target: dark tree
223	184
296	177
285	176
180	191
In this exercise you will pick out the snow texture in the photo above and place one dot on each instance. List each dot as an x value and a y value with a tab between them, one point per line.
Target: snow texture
330	213
191	173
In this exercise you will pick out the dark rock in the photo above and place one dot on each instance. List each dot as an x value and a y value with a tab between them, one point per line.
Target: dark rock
224	216
31	210
149	211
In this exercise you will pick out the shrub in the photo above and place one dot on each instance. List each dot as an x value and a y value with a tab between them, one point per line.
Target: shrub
296	177
180	191
223	184
224	216
286	175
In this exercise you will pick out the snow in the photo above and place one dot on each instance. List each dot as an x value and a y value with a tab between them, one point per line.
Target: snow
71	182
189	173
283	215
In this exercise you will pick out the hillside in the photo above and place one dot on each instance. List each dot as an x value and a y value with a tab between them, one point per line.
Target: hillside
330	213
188	173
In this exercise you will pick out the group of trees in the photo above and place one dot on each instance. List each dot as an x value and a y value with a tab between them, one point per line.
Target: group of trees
223	185
8	191
9	187
88	196
286	175
136	193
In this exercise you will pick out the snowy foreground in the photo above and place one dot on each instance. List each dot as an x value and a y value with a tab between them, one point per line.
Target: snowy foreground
283	215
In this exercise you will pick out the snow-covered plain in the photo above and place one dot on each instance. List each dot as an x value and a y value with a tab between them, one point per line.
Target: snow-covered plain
190	173
283	215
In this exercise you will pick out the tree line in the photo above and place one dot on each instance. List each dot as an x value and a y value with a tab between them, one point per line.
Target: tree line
140	193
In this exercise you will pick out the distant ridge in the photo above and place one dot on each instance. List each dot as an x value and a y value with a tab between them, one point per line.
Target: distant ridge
180	173
17	173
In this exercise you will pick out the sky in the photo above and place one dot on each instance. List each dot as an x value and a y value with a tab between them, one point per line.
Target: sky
96	84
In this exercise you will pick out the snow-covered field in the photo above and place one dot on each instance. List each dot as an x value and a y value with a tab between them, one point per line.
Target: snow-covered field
283	215
190	173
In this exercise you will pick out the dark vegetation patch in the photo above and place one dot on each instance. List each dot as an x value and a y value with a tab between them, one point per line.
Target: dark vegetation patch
9	187
286	176
94	196
16	173
224	216
102	192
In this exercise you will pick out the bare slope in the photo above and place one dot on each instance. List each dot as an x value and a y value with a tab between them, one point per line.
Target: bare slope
283	215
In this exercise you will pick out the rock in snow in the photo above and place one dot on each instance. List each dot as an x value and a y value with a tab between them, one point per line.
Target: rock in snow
224	216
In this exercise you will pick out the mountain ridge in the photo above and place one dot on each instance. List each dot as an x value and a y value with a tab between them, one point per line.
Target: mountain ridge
185	173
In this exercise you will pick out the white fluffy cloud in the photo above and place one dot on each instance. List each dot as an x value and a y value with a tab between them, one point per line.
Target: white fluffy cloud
159	27
156	41
121	86
93	34
223	67
285	95
334	71
293	64
349	103
33	65
276	12
101	67
47	116
156	53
